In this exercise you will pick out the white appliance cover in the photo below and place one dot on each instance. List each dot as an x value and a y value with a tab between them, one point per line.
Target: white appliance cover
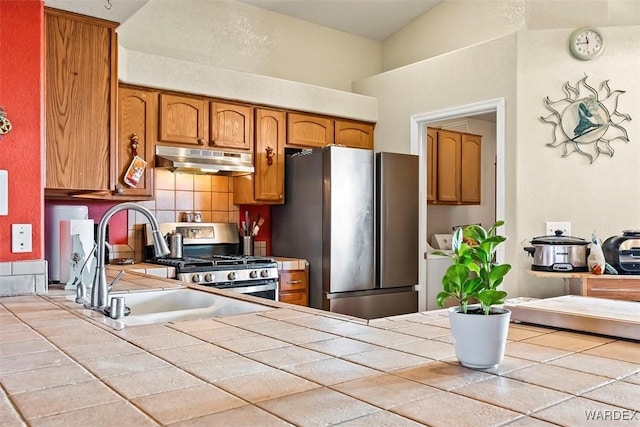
76	244
53	215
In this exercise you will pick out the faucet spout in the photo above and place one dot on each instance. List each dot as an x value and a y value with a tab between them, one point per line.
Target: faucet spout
100	289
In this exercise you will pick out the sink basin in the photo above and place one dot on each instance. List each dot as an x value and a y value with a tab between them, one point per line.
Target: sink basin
181	304
172	305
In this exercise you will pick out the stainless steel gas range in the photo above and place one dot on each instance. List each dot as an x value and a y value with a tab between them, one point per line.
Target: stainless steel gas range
210	257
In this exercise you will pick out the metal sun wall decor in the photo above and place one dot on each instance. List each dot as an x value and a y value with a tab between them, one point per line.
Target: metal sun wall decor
582	121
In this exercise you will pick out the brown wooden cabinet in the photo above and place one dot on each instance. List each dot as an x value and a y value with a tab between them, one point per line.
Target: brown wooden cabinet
80	102
311	131
354	134
453	167
294	287
231	125
307	130
448	164
470	168
610	286
182	119
137	118
266	185
432	170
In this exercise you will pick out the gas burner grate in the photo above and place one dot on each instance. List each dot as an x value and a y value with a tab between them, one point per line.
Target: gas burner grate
240	260
215	260
186	261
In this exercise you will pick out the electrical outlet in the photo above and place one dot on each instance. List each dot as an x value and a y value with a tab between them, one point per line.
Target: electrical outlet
552	227
21	238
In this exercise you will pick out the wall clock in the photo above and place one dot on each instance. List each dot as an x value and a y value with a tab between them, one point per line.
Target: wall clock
586	43
586	120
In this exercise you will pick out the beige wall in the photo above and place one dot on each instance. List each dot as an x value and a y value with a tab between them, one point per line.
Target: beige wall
603	196
540	185
457	24
467	76
235	36
452	25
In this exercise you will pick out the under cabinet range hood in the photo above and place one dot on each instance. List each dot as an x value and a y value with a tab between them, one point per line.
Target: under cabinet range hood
204	161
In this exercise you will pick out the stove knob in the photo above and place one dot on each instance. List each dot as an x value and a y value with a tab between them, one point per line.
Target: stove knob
208	277
253	274
196	278
232	275
264	273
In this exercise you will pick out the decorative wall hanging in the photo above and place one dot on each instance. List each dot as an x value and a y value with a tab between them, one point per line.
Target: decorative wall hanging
137	165
5	124
587	120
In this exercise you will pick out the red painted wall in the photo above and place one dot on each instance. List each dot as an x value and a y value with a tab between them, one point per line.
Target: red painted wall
22	98
118	225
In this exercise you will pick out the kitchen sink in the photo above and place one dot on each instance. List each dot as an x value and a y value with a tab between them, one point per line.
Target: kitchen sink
172	305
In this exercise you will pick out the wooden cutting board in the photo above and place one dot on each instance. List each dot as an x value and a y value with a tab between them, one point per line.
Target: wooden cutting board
587	314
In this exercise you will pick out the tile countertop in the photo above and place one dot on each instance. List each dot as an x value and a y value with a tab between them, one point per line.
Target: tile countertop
285	263
298	366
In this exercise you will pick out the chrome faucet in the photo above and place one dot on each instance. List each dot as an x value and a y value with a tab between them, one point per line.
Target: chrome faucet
100	289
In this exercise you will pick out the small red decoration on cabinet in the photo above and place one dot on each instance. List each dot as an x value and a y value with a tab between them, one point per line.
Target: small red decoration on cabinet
270	155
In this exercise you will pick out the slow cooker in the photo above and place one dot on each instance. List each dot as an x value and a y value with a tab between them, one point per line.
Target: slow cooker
558	253
623	252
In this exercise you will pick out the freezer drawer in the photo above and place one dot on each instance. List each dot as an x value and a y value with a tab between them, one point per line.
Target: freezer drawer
373	305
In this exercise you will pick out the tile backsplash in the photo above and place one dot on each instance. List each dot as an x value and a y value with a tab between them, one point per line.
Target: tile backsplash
175	194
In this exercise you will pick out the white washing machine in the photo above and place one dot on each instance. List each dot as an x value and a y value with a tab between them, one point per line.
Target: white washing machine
436	267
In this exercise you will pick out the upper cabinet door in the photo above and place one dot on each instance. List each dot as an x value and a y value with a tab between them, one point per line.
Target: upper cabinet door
81	87
269	155
305	130
183	120
471	163
432	168
136	134
231	125
449	166
354	134
266	185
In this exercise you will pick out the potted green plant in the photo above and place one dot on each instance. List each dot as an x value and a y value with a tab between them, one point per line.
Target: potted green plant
479	328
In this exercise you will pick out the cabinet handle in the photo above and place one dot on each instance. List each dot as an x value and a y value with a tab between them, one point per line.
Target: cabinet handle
200	141
294	282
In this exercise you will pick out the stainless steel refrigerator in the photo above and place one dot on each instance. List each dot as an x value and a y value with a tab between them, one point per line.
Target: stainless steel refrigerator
353	215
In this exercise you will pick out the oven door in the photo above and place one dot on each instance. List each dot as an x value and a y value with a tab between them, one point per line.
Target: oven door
262	289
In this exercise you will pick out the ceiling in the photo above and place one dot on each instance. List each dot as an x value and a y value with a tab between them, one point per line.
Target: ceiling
372	19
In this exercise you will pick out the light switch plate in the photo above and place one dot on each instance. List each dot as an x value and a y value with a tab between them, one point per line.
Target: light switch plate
4	193
21	238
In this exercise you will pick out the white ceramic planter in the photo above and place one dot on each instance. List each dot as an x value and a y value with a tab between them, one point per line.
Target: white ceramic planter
479	340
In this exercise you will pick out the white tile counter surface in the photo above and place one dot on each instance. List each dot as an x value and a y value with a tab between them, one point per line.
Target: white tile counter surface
285	264
298	366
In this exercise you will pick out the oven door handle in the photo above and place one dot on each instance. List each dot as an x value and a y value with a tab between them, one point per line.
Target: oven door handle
254	288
